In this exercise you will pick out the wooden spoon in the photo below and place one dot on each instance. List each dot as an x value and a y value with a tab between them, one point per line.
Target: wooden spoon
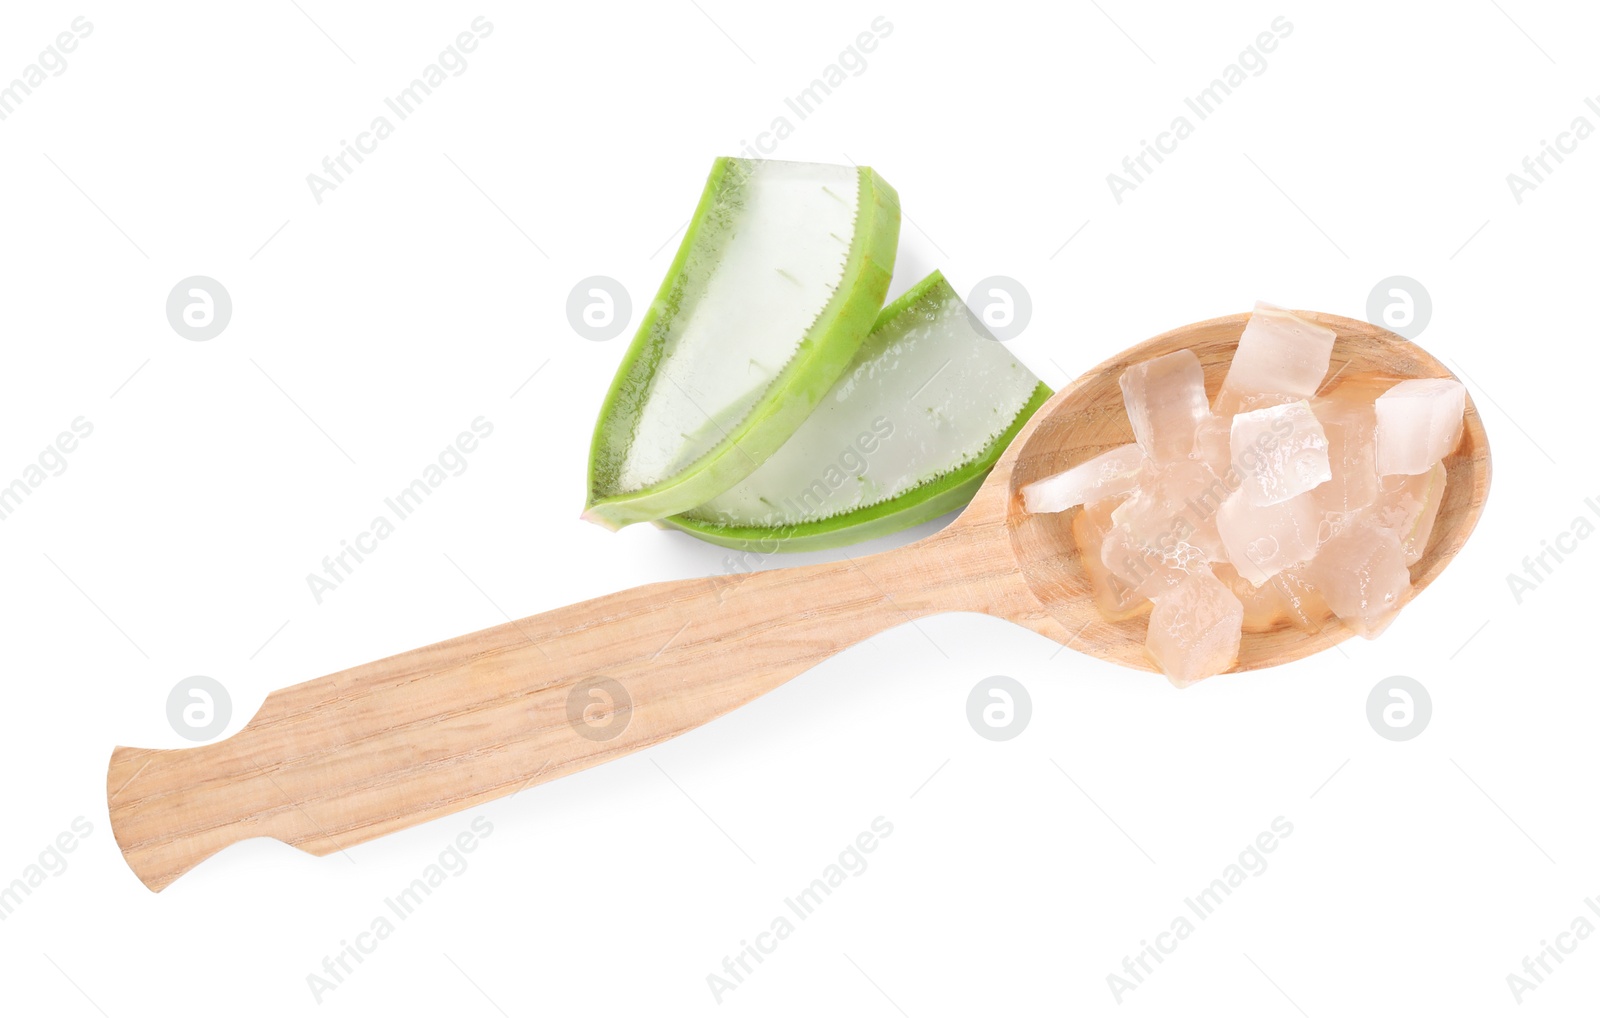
338	760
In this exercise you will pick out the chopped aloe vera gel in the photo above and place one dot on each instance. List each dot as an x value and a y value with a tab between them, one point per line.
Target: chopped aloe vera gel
1283	452
1274	507
1114	472
907	433
1281	358
1408	504
1194	629
1166	401
1419	422
1213	443
1349	423
1362	573
1115	599
777	282
1287	597
1142	568
1264	540
1169	511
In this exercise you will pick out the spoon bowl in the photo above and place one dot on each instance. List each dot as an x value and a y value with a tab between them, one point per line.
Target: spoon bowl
1088	418
335	761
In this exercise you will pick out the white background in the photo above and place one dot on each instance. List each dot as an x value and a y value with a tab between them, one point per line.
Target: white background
373	327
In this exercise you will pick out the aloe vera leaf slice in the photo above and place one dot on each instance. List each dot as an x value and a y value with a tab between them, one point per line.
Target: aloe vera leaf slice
778	280
908	433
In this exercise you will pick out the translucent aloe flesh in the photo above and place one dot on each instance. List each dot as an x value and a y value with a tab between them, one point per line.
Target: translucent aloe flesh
907	433
778	280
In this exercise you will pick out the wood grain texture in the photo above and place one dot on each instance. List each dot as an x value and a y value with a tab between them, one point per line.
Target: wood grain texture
341	759
351	756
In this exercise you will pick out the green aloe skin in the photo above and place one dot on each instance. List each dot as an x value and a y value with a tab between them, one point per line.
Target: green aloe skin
777	283
908	432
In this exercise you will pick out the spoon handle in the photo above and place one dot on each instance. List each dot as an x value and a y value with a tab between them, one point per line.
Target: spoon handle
345	758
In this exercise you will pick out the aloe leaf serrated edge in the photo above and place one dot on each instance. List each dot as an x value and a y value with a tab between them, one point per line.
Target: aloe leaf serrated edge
942	492
823	354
